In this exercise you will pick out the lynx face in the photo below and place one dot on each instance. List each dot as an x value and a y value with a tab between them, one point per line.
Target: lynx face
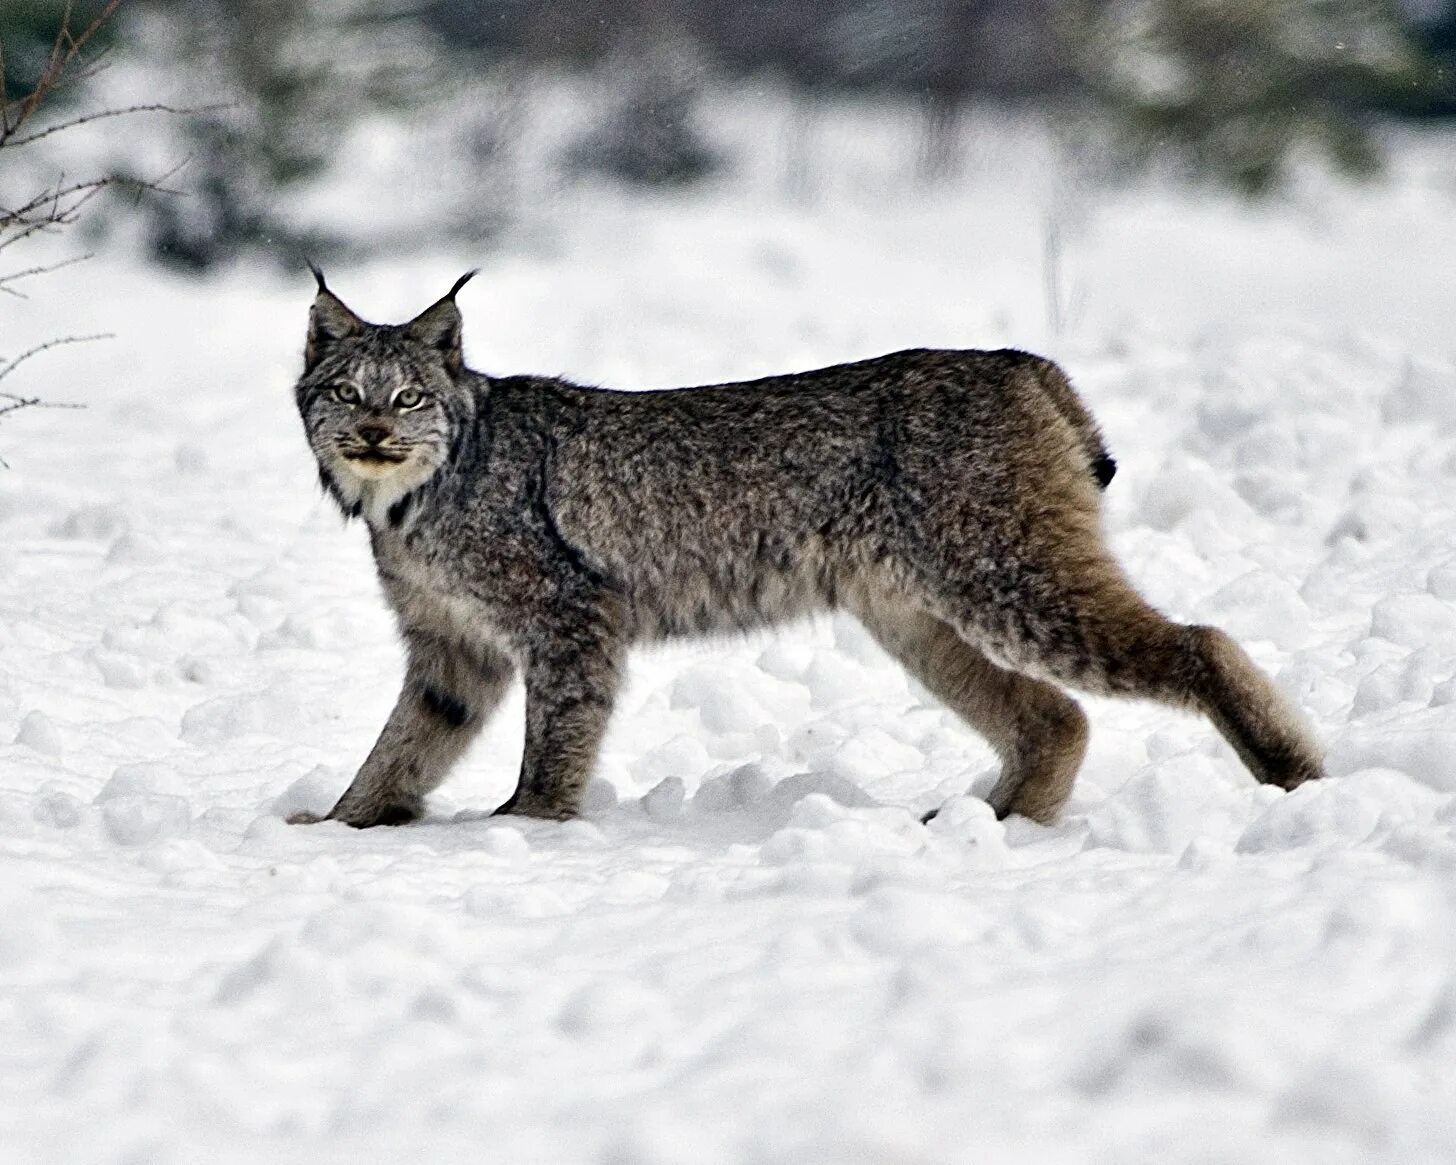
380	404
377	418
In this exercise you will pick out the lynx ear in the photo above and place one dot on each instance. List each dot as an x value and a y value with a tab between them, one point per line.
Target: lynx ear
329	321
439	325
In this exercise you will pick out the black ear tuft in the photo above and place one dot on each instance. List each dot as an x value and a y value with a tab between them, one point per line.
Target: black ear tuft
462	281
439	326
329	321
317	274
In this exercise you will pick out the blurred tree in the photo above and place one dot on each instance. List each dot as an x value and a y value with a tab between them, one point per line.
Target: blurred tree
1235	89
290	78
647	55
1238	88
647	131
1433	24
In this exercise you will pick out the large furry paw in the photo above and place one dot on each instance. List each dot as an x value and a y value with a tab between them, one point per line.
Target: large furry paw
531	806
1290	772
366	815
397	813
1040	815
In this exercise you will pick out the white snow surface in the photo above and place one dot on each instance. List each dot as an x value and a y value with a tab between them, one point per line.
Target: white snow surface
748	949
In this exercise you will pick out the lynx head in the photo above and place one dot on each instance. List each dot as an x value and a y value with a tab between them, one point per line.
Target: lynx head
383	404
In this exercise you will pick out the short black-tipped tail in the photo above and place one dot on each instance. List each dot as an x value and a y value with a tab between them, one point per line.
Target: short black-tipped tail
1059	389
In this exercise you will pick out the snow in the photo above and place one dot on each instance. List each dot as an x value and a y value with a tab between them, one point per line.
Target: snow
748	949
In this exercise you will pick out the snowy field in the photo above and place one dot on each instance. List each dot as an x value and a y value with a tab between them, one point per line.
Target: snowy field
749	949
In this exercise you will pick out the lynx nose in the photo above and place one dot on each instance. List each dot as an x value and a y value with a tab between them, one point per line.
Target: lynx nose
373	434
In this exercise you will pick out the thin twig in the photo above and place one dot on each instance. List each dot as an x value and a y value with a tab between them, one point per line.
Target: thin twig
29	402
59	206
9	367
51	209
40	269
88	118
33	402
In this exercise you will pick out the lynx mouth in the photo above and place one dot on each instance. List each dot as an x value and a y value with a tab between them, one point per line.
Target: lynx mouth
376	457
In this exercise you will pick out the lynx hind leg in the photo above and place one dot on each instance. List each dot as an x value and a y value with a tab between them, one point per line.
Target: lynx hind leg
1039	733
1091	630
1252	714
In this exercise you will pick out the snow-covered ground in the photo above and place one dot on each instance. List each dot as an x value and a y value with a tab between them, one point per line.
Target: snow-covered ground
749	949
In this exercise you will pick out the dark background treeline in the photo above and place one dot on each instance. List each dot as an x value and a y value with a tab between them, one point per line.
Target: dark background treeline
1228	92
1025	50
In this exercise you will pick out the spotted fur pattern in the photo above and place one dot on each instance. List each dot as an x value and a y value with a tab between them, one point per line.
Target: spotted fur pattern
949	499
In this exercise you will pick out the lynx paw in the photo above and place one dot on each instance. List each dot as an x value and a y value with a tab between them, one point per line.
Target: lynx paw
528	806
362	819
392	814
365	813
1293	772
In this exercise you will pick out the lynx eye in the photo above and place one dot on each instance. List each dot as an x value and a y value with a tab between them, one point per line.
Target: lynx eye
408	398
346	394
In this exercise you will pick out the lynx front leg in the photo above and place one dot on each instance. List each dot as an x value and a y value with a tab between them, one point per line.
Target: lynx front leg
571	684
446	699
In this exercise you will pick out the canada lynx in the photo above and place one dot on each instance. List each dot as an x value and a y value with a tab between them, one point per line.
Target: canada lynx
949	500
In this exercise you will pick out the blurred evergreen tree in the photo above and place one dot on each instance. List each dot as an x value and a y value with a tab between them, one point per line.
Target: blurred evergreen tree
1434	27
648	56
647	131
1237	89
1234	89
289	78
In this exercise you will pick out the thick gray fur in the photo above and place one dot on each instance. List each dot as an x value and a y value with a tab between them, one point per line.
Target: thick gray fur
949	500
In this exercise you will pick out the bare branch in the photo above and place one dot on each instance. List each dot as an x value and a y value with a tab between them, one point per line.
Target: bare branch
32	402
64	51
59	205
10	366
59	202
88	118
41	269
56	206
16	403
27	402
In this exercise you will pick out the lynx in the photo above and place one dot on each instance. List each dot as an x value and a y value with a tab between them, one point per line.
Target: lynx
948	499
